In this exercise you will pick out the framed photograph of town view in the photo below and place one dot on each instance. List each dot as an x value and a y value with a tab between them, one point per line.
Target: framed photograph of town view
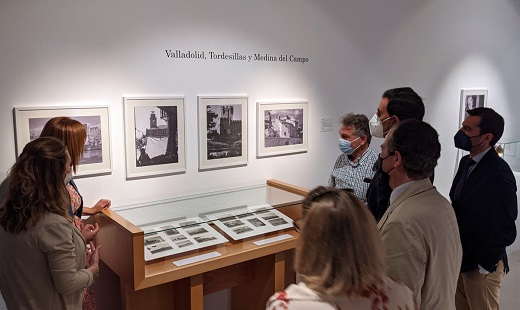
96	157
222	132
282	128
154	136
470	99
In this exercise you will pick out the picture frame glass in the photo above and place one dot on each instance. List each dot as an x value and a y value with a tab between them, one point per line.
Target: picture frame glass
471	99
282	128
222	132
96	157
154	136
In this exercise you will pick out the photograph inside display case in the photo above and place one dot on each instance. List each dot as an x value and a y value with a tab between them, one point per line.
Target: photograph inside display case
245	222
179	236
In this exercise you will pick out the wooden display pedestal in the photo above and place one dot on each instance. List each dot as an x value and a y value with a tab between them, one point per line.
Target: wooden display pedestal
251	272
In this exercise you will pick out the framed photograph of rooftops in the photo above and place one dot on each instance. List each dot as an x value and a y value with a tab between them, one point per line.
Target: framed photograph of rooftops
96	157
282	128
471	99
154	136
222	132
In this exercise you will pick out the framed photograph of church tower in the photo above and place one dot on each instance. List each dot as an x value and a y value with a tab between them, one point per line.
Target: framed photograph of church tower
154	136
222	132
282	128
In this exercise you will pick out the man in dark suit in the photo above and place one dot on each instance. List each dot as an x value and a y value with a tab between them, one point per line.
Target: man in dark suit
397	104
483	195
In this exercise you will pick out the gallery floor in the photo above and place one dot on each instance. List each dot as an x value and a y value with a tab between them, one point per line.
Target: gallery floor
509	293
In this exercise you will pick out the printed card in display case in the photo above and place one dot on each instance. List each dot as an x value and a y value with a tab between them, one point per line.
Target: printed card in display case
241	223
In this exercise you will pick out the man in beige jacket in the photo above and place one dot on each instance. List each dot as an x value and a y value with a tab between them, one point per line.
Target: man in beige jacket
419	228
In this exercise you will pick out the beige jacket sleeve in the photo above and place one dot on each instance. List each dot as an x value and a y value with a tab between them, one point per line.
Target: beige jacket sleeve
66	257
406	257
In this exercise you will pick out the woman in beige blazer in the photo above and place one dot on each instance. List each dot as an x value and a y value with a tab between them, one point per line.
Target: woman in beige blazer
43	261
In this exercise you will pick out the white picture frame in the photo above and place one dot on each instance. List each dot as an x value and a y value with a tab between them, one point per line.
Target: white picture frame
222	131
282	128
470	99
96	159
154	128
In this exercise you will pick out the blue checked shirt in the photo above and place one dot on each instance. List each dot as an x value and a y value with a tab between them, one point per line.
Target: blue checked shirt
347	174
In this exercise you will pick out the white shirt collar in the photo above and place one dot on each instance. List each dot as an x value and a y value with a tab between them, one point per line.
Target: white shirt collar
399	189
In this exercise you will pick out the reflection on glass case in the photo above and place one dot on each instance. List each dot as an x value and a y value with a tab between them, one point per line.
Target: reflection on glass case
250	221
510	152
169	226
178	237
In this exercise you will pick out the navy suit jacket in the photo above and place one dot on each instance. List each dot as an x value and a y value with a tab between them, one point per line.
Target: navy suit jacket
486	212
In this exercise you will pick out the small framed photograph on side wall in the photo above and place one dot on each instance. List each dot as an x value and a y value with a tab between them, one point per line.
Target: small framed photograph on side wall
471	99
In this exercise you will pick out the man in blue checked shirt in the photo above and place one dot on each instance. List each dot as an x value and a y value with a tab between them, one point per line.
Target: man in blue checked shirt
353	167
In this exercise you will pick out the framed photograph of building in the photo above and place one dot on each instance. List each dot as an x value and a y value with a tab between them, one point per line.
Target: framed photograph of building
96	159
282	128
154	136
470	99
222	132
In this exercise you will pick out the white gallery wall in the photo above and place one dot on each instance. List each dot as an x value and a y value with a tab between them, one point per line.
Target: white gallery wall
83	53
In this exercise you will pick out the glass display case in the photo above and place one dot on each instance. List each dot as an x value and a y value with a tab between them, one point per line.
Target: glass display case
170	253
510	152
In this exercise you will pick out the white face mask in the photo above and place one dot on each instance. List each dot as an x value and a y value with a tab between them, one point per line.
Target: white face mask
68	177
376	126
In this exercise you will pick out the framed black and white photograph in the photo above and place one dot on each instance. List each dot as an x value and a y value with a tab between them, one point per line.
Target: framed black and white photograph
471	99
282	128
222	132
154	136
96	157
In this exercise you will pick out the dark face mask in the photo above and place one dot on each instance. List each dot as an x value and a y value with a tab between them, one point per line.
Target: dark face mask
463	142
385	178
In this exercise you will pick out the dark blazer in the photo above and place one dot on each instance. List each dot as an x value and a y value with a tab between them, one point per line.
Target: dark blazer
378	196
486	212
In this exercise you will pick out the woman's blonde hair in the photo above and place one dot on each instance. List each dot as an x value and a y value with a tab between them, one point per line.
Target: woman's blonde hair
340	250
36	185
69	131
